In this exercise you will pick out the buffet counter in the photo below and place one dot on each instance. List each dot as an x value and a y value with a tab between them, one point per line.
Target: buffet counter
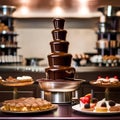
87	73
83	72
42	68
63	112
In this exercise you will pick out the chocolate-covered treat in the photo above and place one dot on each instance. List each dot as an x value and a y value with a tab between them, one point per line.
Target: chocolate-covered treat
59	60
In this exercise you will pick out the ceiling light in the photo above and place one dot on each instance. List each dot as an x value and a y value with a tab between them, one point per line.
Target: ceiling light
24	1
57	11
23	10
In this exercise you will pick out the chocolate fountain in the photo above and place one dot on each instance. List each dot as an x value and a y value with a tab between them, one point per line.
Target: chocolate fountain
59	83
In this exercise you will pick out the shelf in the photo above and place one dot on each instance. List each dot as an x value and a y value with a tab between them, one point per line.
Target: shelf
8	47
6	17
105	48
8	43
8	33
10	63
109	32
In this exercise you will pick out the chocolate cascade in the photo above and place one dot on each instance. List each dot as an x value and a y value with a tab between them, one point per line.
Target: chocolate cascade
59	60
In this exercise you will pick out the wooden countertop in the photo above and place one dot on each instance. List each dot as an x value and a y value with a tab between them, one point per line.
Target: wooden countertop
64	112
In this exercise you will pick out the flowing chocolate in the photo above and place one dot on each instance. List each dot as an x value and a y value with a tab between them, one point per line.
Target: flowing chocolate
59	60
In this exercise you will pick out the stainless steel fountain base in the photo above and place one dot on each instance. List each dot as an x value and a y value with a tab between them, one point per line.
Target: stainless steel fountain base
58	91
58	97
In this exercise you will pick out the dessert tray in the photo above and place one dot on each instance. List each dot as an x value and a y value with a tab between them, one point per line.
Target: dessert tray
19	81
27	105
53	107
106	86
15	84
79	109
109	85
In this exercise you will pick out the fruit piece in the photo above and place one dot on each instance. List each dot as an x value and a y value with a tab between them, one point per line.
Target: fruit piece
94	100
99	77
92	105
88	95
84	100
116	77
87	105
107	77
111	103
103	104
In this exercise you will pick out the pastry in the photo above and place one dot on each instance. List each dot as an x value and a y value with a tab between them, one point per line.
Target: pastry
100	80
10	79
24	79
113	80
101	106
114	108
107	81
26	104
101	109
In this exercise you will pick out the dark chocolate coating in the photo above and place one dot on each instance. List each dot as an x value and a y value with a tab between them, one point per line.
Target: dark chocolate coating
58	23
59	59
59	34
60	73
59	46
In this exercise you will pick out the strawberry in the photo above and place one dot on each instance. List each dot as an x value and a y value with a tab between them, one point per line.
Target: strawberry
85	99
88	95
82	99
107	77
99	77
116	77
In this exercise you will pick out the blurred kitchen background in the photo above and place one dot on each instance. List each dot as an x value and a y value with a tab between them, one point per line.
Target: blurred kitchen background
33	24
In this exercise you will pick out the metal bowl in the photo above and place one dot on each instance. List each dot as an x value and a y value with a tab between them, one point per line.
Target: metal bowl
33	61
7	10
59	85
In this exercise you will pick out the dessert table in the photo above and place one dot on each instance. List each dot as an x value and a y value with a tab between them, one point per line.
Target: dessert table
63	112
